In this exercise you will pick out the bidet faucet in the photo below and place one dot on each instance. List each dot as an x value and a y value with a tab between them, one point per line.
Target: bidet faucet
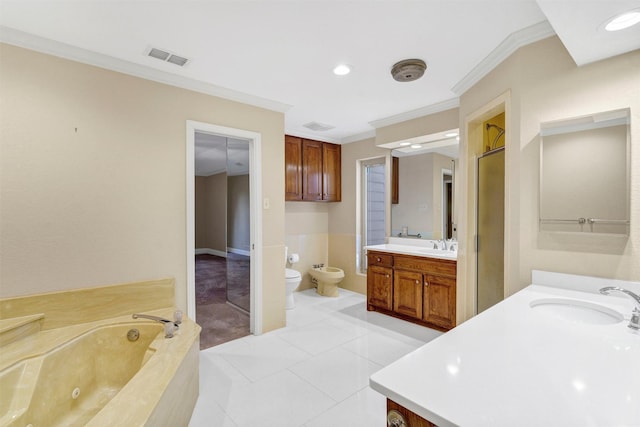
634	322
169	325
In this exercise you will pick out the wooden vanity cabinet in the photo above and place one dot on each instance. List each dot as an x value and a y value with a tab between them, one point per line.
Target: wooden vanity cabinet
379	281
312	170
407	293
395	180
411	418
331	172
422	290
293	168
439	300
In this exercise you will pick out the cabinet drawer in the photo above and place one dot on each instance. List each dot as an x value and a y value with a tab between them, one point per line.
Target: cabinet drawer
434	266
379	259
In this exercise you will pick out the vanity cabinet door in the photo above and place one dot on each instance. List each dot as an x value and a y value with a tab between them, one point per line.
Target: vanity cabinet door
293	168
380	287
331	168
407	293
439	300
311	170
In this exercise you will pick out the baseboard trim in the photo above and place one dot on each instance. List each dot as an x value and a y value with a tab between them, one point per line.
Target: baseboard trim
208	251
239	251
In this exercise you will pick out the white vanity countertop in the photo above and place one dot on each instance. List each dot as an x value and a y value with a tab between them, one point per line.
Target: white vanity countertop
424	251
517	366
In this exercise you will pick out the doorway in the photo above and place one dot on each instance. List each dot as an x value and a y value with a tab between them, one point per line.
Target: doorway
222	223
242	238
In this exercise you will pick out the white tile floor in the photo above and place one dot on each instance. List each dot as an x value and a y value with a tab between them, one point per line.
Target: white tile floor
313	373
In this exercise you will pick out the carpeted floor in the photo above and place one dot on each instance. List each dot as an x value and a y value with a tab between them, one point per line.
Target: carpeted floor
216	279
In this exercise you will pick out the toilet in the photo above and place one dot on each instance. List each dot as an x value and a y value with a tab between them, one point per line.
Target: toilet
292	281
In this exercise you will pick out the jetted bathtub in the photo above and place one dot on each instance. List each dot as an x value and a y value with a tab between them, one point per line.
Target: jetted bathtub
111	374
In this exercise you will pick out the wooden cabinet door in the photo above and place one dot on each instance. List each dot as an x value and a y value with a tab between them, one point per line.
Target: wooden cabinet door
293	168
395	180
380	287
407	293
440	300
311	170
331	165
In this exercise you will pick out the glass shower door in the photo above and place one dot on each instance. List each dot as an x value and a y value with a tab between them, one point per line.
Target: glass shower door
490	230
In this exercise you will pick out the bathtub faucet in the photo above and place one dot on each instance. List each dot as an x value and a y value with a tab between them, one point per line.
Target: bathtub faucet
169	325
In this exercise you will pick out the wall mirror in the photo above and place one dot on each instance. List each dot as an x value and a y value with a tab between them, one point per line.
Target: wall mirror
585	174
423	185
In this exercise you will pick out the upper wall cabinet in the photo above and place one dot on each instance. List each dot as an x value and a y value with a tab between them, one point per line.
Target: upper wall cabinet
312	170
585	174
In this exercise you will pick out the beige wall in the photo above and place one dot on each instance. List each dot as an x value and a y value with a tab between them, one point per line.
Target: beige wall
344	226
93	178
543	84
211	212
433	123
306	228
238	213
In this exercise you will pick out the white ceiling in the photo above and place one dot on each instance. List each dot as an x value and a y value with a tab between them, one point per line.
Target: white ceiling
217	154
279	54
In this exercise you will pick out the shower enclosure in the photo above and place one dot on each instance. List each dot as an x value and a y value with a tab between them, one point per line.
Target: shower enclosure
490	224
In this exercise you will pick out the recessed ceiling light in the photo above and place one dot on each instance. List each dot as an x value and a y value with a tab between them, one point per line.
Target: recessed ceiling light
341	70
624	20
416	146
404	144
451	134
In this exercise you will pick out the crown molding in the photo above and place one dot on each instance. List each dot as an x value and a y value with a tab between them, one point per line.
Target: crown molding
62	50
513	42
414	114
308	135
359	136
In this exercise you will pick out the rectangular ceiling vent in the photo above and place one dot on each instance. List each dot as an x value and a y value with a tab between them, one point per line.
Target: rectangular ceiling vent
318	127
163	55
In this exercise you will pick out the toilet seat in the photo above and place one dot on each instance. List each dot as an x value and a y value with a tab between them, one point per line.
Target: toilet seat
292	274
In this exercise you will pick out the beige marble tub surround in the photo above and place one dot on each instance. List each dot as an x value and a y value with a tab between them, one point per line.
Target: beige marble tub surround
165	390
168	366
16	328
75	306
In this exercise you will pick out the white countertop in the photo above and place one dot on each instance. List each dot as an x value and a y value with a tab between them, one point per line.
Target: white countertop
515	366
414	250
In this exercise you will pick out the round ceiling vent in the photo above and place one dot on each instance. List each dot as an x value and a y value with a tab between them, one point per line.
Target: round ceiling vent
408	70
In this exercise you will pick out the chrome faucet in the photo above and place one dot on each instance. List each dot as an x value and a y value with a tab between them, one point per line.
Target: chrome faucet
170	326
634	323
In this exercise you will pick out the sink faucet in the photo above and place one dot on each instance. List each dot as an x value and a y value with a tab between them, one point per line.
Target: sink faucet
634	323
169	325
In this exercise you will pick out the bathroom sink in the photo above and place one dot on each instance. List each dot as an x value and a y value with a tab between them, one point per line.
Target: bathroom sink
576	311
439	253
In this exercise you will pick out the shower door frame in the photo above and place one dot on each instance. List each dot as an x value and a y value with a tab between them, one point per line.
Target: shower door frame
471	149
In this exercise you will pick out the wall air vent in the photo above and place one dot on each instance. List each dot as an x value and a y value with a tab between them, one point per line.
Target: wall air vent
318	127
166	56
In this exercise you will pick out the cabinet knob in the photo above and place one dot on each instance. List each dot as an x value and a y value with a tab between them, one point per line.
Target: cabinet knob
395	419
417	281
387	276
378	259
426	283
